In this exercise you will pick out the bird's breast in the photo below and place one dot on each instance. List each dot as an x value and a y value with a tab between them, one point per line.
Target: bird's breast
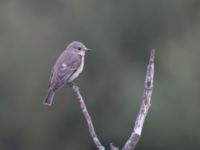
78	71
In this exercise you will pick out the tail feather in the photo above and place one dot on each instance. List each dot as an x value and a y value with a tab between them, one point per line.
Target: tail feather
49	98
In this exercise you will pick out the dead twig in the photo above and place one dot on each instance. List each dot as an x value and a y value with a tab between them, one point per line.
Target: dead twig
146	103
137	129
87	117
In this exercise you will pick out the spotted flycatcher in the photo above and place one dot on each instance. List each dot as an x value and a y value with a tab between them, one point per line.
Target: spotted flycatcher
67	67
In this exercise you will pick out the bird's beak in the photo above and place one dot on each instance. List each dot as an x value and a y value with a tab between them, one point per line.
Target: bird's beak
88	49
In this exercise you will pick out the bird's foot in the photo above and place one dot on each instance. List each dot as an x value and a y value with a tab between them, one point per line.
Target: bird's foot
71	84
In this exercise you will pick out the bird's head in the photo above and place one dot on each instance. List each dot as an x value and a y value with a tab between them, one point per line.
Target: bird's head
77	47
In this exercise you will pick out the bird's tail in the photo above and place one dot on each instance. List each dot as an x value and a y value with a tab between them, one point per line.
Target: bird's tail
49	98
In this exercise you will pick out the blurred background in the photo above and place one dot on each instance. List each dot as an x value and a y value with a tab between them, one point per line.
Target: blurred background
121	33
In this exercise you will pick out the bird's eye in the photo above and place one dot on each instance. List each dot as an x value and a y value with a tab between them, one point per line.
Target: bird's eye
79	48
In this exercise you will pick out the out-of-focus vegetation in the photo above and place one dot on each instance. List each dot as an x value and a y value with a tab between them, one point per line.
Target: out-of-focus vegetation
34	32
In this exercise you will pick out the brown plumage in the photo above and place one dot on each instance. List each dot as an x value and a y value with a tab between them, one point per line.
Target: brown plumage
67	67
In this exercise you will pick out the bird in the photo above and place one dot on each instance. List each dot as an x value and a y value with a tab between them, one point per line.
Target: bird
68	66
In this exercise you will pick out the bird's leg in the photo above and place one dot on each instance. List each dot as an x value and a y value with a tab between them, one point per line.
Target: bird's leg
71	84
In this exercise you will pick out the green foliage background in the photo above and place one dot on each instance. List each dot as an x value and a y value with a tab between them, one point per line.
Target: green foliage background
121	33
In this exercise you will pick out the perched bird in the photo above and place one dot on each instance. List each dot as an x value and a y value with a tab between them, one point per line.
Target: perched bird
67	67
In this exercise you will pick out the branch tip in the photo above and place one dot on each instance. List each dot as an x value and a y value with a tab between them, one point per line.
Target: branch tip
146	103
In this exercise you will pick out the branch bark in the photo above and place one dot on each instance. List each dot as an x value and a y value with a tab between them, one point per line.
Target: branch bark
146	103
137	129
87	117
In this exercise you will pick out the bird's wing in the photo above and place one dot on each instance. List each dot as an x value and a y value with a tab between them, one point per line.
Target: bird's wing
75	62
62	71
50	78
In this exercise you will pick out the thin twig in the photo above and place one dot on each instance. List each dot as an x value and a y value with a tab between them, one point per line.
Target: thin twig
146	103
87	117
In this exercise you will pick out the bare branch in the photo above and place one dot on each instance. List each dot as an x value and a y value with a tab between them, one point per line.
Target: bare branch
137	130
87	117
146	103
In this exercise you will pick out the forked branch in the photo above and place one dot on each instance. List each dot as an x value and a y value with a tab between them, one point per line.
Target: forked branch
137	129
